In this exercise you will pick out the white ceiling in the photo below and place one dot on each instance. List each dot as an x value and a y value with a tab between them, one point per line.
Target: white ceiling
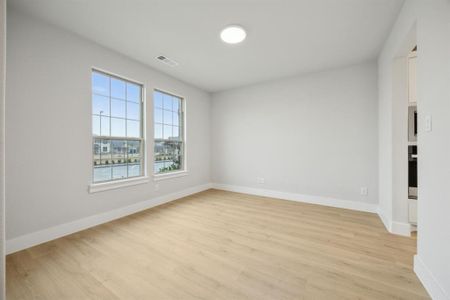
283	37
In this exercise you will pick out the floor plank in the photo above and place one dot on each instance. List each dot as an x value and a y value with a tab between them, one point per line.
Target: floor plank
223	245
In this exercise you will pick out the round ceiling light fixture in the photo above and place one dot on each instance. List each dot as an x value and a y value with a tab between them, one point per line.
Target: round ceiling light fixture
233	34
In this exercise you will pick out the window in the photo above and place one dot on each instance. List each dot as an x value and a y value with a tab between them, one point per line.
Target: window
116	128
169	129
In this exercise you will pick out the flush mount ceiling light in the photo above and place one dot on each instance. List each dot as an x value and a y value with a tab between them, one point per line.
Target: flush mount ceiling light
233	34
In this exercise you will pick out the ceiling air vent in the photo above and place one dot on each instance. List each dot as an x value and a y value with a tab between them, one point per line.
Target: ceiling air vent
167	61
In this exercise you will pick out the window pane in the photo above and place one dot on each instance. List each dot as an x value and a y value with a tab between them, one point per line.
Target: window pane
102	173
133	111
168	127
117	127
167	117
117	88
134	170
167	102
133	129
119	151
133	92
134	149
158	131
100	84
96	152
104	126
119	171
172	164
176	104
167	156
95	125
160	157
176	133
118	108
158	116
157	99
158	167
105	152
100	105
167	132
176	119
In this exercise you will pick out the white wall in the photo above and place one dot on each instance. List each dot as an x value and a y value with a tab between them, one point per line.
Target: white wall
48	127
392	123
432	263
311	135
2	144
400	144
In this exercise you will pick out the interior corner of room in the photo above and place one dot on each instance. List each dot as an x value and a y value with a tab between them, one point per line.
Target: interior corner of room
168	150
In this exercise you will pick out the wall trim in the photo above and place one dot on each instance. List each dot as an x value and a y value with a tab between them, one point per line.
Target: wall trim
384	219
327	201
401	228
48	234
394	227
434	289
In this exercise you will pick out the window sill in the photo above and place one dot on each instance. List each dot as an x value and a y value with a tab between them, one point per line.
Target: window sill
112	185
171	175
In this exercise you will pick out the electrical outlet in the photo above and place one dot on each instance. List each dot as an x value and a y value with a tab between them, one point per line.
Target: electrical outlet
364	191
156	187
260	180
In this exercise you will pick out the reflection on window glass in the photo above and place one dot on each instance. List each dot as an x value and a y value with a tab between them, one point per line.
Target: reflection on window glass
116	113
168	128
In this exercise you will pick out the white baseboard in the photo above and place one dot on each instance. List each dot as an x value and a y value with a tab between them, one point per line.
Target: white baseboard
434	289
401	228
384	219
394	227
45	235
360	206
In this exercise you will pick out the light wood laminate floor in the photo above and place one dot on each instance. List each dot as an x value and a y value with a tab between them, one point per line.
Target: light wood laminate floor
223	245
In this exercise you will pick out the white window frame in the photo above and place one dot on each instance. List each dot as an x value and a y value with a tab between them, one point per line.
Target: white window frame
129	181
184	171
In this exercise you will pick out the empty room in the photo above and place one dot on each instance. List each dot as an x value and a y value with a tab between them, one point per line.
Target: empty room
225	149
